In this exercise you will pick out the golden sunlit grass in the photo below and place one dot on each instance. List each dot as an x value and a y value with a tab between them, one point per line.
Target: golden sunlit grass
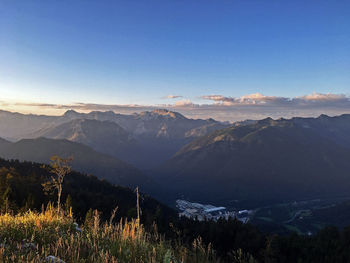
32	237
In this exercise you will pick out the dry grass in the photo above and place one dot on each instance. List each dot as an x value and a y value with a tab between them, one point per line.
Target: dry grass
31	237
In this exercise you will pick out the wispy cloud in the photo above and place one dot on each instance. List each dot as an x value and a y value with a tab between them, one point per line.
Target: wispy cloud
218	98
324	97
3	103
183	103
255	99
252	106
260	99
173	97
87	107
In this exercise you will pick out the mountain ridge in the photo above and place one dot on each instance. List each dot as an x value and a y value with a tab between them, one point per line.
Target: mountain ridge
85	160
272	159
153	136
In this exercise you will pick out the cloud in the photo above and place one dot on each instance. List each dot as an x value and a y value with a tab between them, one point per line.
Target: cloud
4	103
225	108
258	106
256	98
183	103
172	97
218	98
260	99
324	97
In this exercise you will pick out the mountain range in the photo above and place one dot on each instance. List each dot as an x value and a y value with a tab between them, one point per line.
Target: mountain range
143	139
171	156
103	136
270	160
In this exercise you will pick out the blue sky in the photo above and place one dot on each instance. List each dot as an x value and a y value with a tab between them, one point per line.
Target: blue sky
137	52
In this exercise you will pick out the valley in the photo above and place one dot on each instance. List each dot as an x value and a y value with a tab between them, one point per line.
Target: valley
269	167
174	131
306	217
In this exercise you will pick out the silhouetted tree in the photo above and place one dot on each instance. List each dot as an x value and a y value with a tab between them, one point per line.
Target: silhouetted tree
59	167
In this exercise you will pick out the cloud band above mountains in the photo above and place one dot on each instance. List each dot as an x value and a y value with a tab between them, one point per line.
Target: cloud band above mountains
253	106
259	99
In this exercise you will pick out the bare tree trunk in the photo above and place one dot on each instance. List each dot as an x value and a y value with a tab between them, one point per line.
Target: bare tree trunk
138	206
59	199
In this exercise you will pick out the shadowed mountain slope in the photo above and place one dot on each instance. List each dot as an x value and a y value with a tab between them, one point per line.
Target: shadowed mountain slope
267	161
85	160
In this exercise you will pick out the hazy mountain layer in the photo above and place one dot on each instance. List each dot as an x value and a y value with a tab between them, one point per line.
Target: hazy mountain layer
85	160
145	139
103	136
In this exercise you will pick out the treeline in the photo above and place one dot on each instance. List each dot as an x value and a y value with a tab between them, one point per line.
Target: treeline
21	189
227	237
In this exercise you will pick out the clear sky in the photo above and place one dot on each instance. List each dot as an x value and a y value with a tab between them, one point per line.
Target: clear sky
138	52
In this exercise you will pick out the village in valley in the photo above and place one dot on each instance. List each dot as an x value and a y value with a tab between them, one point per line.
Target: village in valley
202	212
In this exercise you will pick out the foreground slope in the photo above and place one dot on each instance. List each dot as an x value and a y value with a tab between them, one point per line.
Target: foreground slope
30	237
25	181
56	239
267	161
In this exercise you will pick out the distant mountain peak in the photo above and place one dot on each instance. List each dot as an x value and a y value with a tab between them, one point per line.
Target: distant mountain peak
172	114
71	113
266	121
161	112
104	113
324	116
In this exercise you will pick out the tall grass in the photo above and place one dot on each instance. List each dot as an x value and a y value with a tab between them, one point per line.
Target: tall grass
32	237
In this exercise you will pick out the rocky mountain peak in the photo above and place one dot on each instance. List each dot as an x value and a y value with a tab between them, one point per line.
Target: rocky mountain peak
71	114
155	114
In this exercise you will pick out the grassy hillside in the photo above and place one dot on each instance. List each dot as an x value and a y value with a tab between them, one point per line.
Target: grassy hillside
25	179
34	237
39	237
27	236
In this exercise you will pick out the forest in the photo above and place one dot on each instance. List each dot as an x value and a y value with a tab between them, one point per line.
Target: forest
21	190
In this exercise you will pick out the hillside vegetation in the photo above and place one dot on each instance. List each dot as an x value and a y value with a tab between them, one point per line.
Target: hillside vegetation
48	237
110	231
21	183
